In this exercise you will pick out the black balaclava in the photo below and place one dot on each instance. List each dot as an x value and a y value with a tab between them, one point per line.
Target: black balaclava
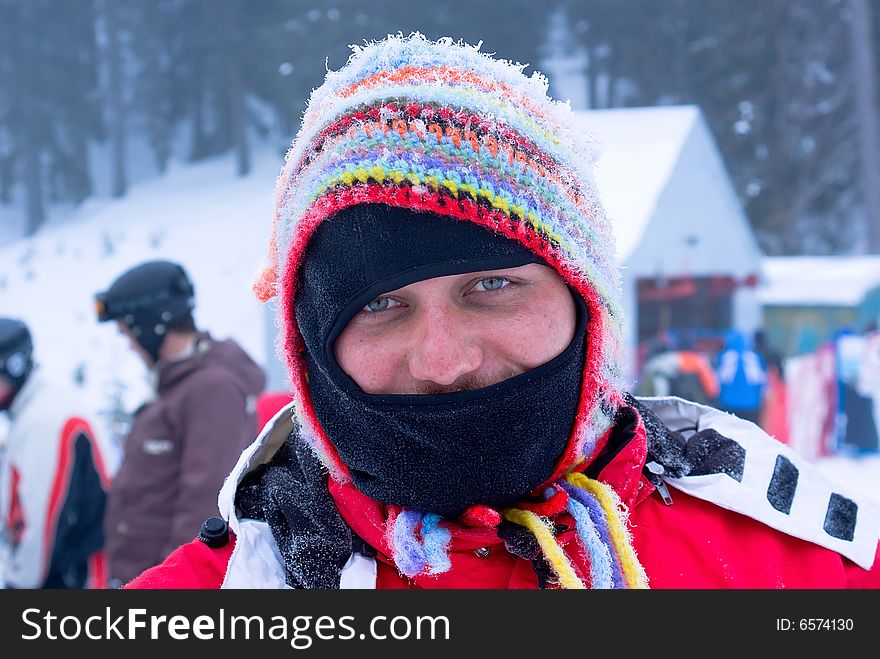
147	298
16	356
439	453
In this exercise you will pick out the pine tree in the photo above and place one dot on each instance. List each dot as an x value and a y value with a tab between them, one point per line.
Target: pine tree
49	107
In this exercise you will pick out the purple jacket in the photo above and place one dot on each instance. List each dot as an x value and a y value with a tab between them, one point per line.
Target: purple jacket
180	448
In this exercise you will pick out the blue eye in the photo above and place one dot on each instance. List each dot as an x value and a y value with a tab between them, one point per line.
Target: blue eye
379	304
492	283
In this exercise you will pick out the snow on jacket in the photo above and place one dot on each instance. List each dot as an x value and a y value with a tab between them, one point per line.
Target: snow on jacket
745	512
52	491
178	451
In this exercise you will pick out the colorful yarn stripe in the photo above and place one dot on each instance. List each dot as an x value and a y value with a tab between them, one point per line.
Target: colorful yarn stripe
554	554
600	523
513	183
507	150
602	568
444	74
418	117
436	543
632	569
501	109
408	553
539	204
414	555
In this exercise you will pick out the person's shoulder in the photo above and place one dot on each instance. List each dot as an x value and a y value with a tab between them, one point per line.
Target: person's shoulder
675	412
225	363
227	349
208	375
50	401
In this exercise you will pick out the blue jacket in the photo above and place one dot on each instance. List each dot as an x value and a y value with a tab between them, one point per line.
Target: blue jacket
742	374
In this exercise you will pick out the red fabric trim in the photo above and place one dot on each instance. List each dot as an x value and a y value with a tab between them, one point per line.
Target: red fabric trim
60	483
480	516
624	473
269	404
97	571
552	506
72	428
15	520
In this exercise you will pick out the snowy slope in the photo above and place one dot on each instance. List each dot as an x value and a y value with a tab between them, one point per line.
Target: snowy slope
215	224
862	473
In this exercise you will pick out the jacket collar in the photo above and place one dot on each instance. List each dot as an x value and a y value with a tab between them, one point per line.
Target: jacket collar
732	463
274	434
171	371
620	462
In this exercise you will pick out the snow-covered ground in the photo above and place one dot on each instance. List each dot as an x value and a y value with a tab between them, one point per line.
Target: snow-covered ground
862	474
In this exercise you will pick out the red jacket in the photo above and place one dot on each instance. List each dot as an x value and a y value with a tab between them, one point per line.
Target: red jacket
668	558
689	544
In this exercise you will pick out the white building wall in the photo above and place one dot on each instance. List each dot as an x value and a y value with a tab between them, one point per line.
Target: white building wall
698	228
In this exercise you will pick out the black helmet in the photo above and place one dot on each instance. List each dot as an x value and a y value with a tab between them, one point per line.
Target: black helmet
16	355
147	299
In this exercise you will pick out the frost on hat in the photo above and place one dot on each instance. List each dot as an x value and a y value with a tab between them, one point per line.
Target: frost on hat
441	127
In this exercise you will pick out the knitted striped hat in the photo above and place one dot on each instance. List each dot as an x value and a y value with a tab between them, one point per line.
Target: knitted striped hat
441	127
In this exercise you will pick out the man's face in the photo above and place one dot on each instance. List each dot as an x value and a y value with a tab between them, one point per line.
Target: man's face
458	332
133	344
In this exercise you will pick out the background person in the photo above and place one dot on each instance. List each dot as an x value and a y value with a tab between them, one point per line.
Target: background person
52	478
742	378
673	368
181	444
774	405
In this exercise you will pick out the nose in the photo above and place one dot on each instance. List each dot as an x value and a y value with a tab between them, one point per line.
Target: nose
445	347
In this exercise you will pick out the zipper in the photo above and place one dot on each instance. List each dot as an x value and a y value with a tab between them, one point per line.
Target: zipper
654	472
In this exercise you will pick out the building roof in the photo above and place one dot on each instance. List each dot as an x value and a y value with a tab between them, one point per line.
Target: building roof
638	149
818	280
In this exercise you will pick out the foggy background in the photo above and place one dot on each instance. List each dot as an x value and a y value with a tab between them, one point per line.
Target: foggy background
96	96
